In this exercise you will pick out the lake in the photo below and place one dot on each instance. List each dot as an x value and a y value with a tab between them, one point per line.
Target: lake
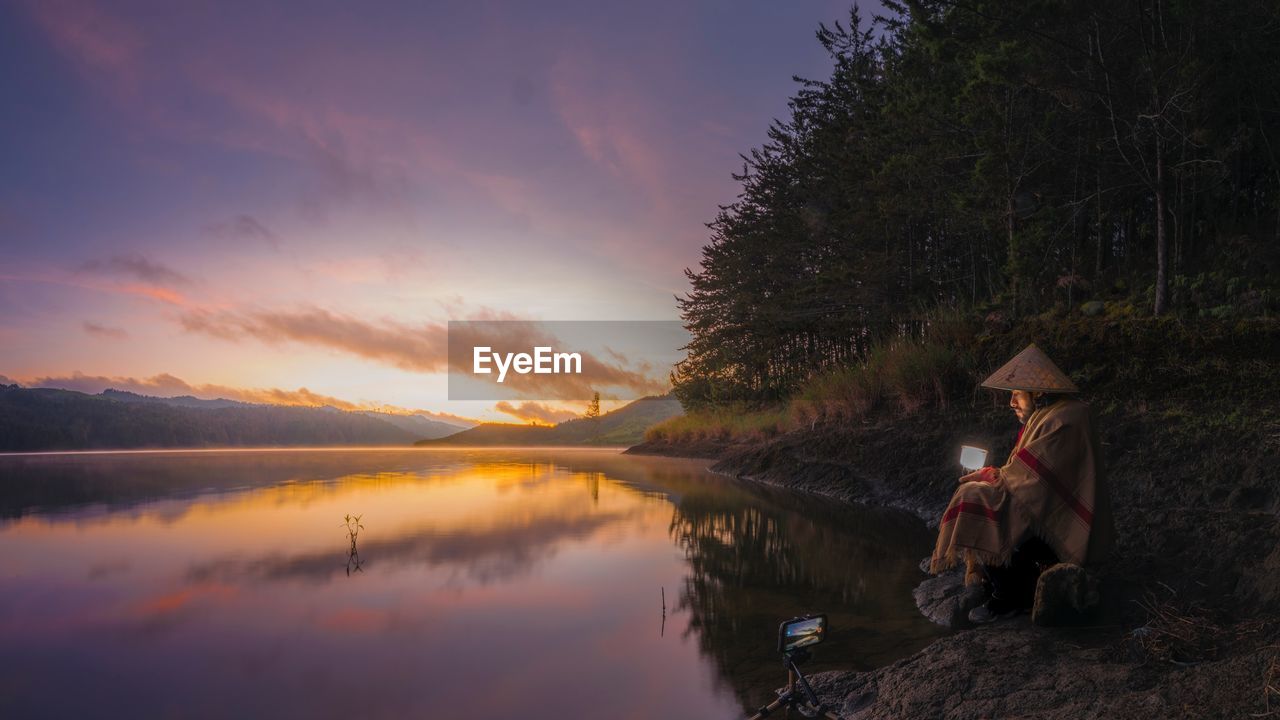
493	583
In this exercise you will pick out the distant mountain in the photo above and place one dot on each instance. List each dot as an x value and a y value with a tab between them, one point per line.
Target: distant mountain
421	425
495	434
48	419
624	426
180	401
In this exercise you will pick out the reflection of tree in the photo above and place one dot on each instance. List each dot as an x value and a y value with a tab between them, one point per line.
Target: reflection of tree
753	564
755	556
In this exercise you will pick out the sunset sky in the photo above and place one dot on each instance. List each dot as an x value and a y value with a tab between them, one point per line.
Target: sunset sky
230	199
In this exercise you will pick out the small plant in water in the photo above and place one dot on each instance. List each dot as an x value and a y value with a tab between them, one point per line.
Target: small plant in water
353	526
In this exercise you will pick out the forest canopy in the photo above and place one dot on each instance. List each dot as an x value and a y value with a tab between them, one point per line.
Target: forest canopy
995	159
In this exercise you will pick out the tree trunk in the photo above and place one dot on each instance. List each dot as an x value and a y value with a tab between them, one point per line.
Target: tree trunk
1098	260
1014	265
1162	240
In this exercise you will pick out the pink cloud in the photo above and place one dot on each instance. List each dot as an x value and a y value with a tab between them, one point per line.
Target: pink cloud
98	42
113	333
133	289
612	124
137	266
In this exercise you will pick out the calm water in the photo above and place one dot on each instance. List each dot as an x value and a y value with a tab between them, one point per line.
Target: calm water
485	584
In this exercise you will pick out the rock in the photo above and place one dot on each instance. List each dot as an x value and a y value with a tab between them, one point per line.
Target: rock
847	693
1092	308
1063	596
1013	669
945	599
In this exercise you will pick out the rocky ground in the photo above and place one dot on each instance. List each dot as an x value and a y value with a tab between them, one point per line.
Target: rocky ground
1189	623
1015	669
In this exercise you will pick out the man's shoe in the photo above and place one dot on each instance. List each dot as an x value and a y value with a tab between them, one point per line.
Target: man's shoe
993	609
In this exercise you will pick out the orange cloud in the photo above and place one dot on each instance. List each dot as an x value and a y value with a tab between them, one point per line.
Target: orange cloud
164	295
419	348
535	412
143	290
425	347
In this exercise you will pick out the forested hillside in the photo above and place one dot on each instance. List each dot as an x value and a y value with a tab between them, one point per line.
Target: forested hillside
624	426
46	419
996	160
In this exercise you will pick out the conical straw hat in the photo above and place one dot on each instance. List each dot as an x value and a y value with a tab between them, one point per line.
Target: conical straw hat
1033	371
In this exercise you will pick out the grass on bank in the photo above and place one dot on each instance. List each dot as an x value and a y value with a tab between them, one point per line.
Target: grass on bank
1160	366
898	378
732	423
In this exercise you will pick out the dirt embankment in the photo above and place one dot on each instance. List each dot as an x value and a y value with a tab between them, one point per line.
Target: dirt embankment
1193	597
1190	625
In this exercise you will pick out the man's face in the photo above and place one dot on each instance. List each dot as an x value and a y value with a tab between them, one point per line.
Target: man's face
1023	404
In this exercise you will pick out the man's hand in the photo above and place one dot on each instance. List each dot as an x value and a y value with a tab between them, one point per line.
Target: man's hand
987	475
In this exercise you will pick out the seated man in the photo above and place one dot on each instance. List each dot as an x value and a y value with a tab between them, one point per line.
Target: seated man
1048	503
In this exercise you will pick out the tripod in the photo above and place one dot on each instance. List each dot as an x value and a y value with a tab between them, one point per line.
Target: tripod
803	698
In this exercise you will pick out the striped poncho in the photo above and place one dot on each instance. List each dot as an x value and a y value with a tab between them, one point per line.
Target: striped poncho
1052	486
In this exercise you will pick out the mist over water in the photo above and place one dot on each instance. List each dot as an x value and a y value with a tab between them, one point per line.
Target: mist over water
480	583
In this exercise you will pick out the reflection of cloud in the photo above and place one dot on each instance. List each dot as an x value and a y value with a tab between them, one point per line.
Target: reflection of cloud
487	555
159	613
114	333
356	620
137	266
107	568
173	601
535	411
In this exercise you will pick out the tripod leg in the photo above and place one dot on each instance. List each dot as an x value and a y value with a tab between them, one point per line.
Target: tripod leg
810	695
764	712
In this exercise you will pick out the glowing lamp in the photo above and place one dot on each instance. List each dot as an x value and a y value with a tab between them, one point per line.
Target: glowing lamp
972	458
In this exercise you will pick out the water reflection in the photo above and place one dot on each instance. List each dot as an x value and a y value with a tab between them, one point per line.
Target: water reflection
506	582
752	558
482	555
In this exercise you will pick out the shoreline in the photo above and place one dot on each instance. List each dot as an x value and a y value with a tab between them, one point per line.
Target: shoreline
301	448
1013	667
